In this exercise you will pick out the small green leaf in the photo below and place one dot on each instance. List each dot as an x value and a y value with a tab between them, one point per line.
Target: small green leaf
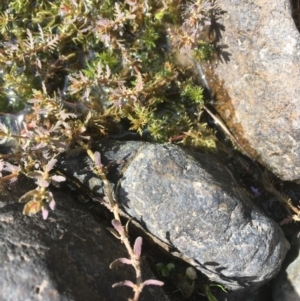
209	294
219	286
165	272
159	15
159	266
191	273
171	266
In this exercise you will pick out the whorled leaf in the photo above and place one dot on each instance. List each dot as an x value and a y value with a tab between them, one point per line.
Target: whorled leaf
58	178
38	199
119	261
32	207
153	282
124	283
113	232
37	174
97	159
137	249
43	183
50	165
118	226
29	195
5	134
45	212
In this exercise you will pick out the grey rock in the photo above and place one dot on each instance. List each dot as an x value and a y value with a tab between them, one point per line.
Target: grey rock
66	257
260	72
246	294
286	286
192	202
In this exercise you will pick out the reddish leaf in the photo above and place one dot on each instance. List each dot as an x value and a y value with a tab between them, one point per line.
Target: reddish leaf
45	213
35	174
57	178
50	164
138	247
124	283
118	261
52	204
153	282
97	159
118	226
43	183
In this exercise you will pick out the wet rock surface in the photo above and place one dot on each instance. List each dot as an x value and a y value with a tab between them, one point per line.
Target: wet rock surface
66	257
259	72
193	203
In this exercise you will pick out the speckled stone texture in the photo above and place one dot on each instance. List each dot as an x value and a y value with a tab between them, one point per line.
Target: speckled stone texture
64	258
260	73
193	202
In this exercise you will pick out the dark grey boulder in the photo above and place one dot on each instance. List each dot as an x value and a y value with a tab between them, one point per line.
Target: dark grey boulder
66	257
192	202
260	71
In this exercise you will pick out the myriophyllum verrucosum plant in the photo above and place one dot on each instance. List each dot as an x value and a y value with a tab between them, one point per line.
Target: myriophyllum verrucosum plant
121	232
40	198
134	260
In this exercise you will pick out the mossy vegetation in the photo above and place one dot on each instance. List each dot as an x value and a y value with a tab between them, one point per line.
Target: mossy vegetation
114	59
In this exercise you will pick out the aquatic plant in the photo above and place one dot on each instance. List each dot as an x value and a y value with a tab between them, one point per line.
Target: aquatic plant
76	71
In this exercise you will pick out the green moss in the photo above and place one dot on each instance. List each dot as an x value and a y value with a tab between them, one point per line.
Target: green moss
204	51
80	70
112	58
